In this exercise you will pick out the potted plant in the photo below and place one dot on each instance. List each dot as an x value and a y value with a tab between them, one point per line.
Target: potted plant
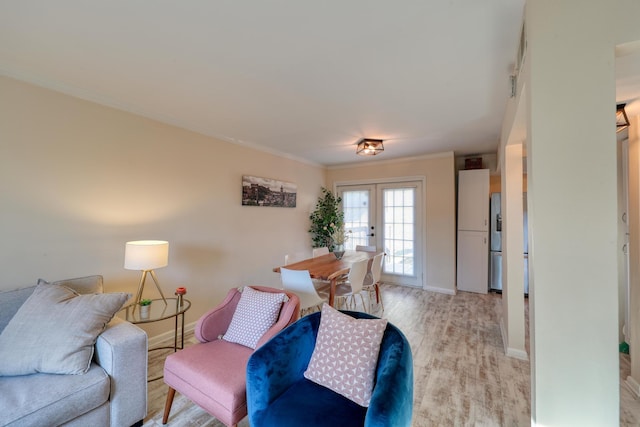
326	219
145	307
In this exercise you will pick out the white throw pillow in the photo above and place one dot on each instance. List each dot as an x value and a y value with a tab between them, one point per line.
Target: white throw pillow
346	354
55	331
256	312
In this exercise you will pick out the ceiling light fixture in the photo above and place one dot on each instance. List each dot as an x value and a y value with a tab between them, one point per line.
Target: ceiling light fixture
622	121
369	147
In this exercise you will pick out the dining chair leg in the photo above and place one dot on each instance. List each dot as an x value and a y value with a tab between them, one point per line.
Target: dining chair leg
167	406
364	307
379	296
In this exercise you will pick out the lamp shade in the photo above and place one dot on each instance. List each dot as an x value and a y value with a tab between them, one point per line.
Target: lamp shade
146	254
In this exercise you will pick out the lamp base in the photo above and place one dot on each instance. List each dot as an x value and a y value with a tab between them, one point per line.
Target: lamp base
141	286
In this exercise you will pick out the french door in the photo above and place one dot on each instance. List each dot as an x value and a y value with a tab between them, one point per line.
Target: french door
388	216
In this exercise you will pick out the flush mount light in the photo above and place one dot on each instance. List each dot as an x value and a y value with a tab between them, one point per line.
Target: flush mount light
622	121
369	147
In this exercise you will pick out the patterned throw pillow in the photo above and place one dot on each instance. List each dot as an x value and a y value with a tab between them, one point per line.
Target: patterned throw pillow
255	314
346	354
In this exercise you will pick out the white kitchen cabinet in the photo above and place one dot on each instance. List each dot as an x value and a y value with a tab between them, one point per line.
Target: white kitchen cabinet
473	200
473	231
473	261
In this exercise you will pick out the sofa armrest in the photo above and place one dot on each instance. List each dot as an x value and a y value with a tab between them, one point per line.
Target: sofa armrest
121	350
392	399
281	362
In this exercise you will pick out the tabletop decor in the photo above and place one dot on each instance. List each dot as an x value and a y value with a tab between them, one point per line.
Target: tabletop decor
339	237
326	219
145	307
180	293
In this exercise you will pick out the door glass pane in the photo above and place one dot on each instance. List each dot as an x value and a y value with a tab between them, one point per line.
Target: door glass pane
399	230
356	216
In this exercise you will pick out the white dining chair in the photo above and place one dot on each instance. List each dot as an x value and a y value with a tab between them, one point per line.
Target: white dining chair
320	285
300	283
366	248
347	291
294	257
320	251
372	286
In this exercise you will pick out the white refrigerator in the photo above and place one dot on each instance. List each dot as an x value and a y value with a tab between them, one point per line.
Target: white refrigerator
495	254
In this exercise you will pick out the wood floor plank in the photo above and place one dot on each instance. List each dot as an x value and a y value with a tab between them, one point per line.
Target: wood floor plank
461	375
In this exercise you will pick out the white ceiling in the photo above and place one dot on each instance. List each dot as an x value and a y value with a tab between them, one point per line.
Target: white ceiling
299	78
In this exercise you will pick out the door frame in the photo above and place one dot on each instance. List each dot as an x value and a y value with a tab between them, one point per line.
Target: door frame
423	206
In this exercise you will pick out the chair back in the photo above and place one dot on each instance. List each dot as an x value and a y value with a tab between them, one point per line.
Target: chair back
300	283
367	248
320	251
376	267
357	274
216	320
295	257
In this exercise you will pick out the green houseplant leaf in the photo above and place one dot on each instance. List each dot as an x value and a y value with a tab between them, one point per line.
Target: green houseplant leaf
326	219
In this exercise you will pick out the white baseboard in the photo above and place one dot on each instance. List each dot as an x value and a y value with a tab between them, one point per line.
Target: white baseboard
155	341
440	290
517	354
633	385
511	352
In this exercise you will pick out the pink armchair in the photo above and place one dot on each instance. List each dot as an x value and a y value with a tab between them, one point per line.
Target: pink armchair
212	373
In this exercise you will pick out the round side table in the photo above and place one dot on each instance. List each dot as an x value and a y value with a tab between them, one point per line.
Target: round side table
175	307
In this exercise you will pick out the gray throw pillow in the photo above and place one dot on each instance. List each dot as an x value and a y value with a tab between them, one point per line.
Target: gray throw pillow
55	330
82	285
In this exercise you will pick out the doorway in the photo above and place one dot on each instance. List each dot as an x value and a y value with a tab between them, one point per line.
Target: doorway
389	216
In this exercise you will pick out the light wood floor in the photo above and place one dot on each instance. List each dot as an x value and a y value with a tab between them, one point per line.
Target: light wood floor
461	375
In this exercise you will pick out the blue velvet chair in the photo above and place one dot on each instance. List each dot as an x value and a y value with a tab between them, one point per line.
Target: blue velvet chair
278	395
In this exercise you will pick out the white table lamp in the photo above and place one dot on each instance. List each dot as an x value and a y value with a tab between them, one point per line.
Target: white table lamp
146	255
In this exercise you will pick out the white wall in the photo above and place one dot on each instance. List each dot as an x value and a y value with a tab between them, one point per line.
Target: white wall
513	320
78	180
440	218
572	213
627	33
633	331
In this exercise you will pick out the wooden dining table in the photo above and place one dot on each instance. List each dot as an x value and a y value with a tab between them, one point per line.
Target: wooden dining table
329	268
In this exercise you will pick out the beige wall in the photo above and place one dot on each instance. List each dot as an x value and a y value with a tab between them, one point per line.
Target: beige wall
440	218
495	183
78	180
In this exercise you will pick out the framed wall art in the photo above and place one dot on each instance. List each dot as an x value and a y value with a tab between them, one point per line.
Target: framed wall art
258	191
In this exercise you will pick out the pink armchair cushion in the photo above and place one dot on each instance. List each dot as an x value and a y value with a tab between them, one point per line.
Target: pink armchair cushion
255	314
212	375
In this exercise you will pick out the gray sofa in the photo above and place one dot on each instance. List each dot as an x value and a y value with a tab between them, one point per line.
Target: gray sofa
113	392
